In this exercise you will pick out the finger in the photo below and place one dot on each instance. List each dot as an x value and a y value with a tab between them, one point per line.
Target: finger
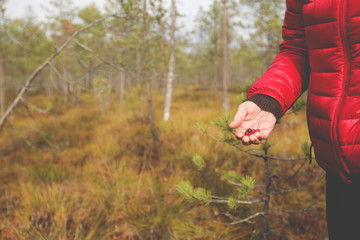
239	117
262	135
254	139
246	140
240	132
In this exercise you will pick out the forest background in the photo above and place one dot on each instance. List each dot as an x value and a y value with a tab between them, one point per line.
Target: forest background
112	126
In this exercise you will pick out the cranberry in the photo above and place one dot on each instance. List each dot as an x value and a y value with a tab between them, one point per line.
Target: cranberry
251	131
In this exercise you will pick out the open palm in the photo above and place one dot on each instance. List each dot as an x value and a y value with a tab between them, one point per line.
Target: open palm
250	115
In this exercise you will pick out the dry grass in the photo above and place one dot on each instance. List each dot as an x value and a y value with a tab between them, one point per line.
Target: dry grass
75	174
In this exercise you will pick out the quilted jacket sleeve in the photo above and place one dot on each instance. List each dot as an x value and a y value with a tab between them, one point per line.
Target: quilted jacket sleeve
287	77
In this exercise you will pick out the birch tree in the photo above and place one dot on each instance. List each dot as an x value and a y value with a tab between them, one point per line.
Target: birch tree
170	78
225	55
2	86
2	71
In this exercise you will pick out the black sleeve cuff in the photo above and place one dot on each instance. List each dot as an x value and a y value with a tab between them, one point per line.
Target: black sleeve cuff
267	103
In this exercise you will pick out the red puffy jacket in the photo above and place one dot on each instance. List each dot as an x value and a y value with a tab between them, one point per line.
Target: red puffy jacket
321	52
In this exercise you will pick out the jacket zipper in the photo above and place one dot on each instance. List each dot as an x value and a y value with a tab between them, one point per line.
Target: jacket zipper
346	73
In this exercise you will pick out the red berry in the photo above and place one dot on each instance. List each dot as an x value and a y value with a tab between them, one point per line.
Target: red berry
249	130
257	130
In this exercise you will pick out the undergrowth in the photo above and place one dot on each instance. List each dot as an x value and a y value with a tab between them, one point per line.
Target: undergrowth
76	174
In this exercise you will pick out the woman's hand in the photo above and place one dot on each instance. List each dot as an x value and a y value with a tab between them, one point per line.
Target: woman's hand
250	115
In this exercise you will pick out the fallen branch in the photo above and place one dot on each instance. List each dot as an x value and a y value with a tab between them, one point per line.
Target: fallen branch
42	66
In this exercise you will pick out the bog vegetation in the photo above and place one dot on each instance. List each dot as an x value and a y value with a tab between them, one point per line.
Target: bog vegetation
120	134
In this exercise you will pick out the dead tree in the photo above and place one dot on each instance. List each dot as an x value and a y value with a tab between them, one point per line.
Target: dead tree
39	69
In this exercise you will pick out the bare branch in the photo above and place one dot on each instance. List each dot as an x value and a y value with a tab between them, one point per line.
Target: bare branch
257	154
42	66
242	220
28	104
299	188
292	176
300	210
119	69
222	200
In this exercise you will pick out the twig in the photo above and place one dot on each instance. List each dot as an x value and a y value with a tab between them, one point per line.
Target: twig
294	210
292	176
239	184
120	69
242	220
299	188
28	104
216	199
258	155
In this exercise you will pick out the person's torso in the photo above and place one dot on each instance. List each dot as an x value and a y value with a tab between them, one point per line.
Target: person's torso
332	30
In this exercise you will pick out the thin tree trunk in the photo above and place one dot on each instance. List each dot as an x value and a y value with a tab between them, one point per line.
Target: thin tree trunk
101	102
65	85
162	73
146	75
225	63
138	72
122	88
262	38
265	224
215	58
2	86
170	79
50	84
109	87
78	92
197	77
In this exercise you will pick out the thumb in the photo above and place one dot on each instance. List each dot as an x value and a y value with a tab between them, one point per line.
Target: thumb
239	117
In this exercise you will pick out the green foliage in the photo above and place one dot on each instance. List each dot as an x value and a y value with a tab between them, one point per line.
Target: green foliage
202	128
241	97
299	105
233	204
246	86
247	186
265	146
306	148
222	123
24	46
185	189
89	13
202	195
232	176
198	161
